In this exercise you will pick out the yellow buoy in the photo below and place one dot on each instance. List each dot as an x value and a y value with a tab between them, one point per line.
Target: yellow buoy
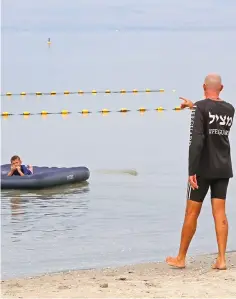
108	91
177	108
23	93
135	90
5	113
8	94
38	93
64	112
44	112
84	111
80	92
66	92
123	91
26	113
142	109
123	110
105	111
53	93
161	90
159	109
148	90
94	91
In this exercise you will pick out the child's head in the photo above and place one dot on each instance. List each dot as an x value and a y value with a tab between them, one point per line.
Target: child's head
16	161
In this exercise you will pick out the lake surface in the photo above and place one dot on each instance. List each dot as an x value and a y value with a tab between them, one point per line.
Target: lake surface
131	210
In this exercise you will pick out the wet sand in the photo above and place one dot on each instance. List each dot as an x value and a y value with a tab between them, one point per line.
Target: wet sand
151	280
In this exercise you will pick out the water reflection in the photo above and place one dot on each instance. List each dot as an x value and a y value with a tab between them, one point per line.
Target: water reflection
43	211
47	193
16	207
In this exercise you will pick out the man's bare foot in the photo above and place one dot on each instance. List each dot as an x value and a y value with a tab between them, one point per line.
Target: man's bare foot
219	265
175	262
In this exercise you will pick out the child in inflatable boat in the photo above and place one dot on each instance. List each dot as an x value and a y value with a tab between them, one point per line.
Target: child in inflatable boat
18	169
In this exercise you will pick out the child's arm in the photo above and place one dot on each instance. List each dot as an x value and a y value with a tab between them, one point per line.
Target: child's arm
19	170
10	173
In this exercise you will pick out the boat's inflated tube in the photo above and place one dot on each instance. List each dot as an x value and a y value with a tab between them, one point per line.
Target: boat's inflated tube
43	177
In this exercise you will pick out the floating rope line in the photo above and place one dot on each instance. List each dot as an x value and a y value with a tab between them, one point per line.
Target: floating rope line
81	92
86	111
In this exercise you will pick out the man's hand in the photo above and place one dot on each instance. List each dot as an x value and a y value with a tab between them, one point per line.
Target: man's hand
13	167
186	103
193	181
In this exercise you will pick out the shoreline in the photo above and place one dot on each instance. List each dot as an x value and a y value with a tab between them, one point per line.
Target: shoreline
149	280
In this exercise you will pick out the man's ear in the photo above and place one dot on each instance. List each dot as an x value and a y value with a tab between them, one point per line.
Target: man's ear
221	88
204	87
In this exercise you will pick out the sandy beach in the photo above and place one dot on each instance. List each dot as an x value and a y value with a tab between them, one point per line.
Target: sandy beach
151	280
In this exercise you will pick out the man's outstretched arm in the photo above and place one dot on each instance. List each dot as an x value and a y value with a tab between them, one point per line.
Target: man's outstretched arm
186	103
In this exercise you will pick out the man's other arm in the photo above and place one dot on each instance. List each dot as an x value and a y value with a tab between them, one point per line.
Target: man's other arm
197	137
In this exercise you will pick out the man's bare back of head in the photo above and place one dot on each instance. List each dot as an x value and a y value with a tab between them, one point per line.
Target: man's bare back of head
212	85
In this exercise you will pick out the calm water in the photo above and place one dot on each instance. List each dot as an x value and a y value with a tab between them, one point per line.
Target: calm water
117	217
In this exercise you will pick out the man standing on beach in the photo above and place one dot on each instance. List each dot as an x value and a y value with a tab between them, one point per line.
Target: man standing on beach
209	166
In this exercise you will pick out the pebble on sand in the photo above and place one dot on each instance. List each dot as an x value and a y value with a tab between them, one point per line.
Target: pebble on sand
104	285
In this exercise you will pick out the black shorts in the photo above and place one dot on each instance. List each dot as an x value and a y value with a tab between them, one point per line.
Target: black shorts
218	189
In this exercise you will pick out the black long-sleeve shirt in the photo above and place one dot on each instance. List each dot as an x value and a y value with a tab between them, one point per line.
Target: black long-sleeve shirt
209	147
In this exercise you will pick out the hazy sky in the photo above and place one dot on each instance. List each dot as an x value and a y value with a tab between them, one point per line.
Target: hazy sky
106	43
123	14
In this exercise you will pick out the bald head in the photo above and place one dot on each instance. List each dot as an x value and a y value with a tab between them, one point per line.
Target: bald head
213	82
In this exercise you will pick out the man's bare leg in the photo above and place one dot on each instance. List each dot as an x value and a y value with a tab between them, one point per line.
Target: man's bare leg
221	227
192	212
